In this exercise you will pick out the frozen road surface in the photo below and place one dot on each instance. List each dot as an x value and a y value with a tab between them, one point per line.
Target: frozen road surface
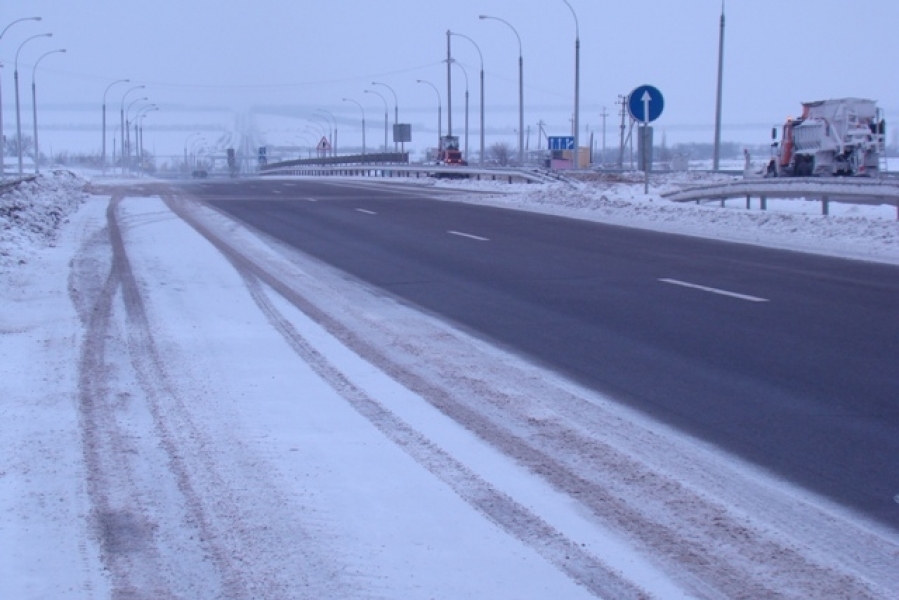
191	410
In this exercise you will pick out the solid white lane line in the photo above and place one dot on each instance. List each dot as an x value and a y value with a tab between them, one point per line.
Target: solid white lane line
714	290
469	236
368	212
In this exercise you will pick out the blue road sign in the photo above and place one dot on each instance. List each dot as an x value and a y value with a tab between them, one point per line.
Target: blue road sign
645	103
562	142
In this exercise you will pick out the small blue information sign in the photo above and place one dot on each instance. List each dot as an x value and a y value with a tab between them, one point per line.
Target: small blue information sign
562	142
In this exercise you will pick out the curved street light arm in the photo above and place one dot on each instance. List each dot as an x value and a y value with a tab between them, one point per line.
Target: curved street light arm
37	62
125	95
509	25
112	84
381	96
128	110
478	48
22	45
577	28
18	21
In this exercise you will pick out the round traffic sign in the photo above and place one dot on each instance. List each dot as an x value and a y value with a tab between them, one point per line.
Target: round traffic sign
645	103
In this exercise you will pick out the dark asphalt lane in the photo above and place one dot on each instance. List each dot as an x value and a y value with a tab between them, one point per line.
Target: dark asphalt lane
798	377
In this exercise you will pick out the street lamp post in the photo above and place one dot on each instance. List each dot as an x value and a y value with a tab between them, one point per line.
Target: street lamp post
577	85
128	130
464	72
189	135
482	90
103	158
386	112
37	152
363	122
122	119
2	148
334	141
439	109
396	112
139	137
520	88
16	78
717	148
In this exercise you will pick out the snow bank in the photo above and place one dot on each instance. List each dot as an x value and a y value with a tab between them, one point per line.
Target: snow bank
851	231
31	213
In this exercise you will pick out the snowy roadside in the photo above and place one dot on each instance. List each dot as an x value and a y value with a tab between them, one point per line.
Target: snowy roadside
860	232
250	427
31	214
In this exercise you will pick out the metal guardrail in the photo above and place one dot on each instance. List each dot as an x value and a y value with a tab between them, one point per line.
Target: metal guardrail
382	158
510	175
852	191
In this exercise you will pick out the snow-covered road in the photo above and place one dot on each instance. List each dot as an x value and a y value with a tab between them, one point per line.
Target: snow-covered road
190	410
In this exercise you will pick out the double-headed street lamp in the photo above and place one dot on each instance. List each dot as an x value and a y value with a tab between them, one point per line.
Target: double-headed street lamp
396	110
16	77
439	109
363	122
482	93
2	153
520	88
37	152
577	85
386	111
104	118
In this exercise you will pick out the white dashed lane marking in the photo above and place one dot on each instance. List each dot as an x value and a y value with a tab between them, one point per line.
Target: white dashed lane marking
368	212
469	236
712	290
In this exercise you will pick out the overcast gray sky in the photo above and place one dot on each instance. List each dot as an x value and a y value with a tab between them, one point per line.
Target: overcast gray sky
312	54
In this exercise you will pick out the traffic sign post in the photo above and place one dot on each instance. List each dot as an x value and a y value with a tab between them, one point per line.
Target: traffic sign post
645	104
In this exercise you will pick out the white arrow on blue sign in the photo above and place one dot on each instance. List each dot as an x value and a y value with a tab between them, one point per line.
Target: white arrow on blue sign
561	142
645	103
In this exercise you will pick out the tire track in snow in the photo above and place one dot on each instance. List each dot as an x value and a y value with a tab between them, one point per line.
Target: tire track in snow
583	568
118	515
169	525
714	550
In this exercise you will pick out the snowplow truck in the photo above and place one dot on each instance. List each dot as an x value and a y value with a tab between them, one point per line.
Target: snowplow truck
832	137
448	152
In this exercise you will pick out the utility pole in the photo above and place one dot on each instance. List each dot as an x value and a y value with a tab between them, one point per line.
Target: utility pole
717	156
449	85
622	100
603	114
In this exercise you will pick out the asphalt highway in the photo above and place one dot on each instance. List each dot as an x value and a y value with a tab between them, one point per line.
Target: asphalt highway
788	360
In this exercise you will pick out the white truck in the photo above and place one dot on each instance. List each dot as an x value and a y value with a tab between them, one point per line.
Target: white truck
843	136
